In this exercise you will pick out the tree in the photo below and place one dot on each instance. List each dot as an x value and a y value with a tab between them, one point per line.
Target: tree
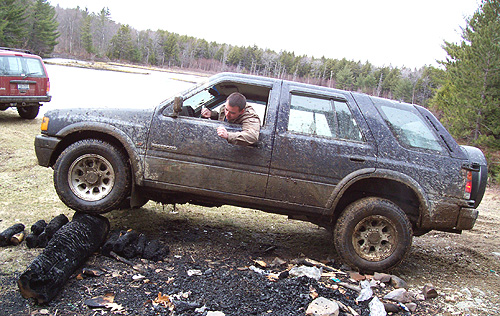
122	47
470	95
12	23
86	33
42	28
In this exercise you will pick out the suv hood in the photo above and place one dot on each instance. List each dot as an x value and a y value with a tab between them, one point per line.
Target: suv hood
62	121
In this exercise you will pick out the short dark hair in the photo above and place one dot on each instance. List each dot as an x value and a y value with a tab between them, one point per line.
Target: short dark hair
237	99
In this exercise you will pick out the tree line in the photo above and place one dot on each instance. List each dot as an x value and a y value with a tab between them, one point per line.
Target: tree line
464	92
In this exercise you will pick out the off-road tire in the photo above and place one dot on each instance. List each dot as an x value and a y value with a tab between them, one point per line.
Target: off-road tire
28	112
92	176
373	234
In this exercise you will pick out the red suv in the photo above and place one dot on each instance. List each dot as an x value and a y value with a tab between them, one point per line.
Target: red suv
24	82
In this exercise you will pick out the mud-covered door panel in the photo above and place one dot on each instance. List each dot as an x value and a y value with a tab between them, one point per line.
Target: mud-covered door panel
322	139
187	151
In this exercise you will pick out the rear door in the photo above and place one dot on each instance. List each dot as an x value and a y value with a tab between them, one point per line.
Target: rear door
321	139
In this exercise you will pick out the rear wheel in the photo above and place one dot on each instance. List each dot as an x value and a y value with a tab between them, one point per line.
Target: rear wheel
28	112
92	176
373	234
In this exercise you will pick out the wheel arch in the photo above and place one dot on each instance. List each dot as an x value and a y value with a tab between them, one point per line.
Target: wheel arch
394	186
76	132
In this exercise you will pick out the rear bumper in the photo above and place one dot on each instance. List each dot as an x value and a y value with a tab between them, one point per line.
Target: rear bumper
44	148
25	99
467	218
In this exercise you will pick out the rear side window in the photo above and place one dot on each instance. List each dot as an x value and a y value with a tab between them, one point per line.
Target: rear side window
410	129
322	117
21	66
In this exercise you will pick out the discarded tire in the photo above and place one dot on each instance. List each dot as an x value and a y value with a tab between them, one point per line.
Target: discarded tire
67	250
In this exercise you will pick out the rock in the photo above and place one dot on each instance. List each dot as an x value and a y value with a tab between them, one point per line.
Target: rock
399	295
366	292
356	276
323	307
194	272
310	272
496	254
382	277
278	262
376	307
412	307
398	283
391	308
429	291
210	313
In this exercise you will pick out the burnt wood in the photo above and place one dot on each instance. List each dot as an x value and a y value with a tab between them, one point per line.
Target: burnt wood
7	234
66	251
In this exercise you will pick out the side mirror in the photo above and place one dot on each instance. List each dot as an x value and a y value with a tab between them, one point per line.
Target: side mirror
178	104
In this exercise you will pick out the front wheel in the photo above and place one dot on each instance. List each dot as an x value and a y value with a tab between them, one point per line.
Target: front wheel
92	176
373	234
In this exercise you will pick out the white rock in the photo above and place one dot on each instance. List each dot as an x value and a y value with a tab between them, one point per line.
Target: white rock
377	307
323	307
194	272
310	272
210	313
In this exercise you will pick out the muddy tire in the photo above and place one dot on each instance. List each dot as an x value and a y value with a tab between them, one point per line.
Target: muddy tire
92	176
373	234
28	112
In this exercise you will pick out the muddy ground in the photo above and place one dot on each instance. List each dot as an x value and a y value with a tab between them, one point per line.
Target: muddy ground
223	243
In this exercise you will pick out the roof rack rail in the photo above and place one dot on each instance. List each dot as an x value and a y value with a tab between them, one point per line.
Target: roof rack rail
21	50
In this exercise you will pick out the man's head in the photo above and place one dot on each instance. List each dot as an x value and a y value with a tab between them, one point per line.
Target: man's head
235	105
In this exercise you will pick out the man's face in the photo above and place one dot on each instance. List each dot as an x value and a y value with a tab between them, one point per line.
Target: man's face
232	112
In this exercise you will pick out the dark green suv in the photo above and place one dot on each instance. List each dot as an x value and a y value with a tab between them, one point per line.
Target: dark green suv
374	171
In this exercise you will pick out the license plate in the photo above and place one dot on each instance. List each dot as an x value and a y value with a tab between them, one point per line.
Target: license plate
23	86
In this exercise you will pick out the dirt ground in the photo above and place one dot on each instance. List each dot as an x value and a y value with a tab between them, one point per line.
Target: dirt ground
223	243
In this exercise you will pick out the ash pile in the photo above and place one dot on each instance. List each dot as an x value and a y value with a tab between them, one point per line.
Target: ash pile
129	274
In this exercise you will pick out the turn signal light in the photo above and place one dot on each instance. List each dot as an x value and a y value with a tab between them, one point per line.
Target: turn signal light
45	124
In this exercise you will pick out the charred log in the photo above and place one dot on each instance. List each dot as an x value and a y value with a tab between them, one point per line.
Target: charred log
55	224
131	244
38	227
66	251
41	232
6	235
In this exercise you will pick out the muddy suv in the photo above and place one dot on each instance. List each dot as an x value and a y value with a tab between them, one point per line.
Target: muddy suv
374	171
24	82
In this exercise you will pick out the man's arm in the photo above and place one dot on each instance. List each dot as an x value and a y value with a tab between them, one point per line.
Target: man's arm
249	134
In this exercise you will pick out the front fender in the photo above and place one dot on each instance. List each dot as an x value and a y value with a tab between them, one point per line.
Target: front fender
135	150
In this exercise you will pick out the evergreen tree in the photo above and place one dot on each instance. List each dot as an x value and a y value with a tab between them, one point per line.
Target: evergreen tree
86	33
42	30
470	95
12	23
122	47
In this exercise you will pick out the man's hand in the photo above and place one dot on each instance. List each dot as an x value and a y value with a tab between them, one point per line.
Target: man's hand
206	113
222	132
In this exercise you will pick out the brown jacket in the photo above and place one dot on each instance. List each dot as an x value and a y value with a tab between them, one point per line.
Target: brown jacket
250	125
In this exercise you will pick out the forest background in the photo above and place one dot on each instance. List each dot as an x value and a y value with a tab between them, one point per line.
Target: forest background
464	92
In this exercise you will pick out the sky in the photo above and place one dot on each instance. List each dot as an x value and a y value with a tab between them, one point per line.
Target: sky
397	33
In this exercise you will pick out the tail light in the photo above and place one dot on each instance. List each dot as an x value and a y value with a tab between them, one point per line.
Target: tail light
48	86
468	185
